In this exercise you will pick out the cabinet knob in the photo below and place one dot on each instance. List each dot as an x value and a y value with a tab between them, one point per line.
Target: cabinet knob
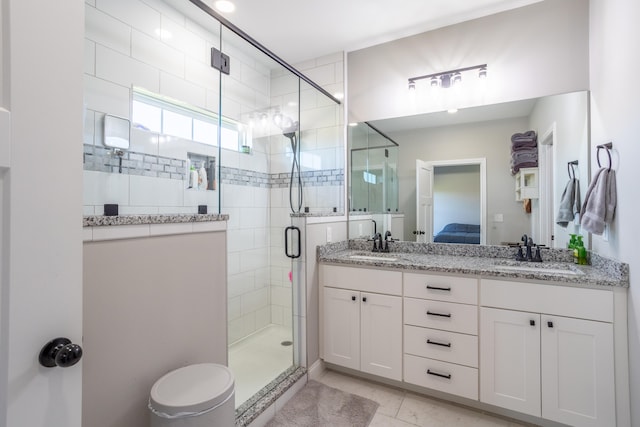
353	297
550	324
364	299
532	322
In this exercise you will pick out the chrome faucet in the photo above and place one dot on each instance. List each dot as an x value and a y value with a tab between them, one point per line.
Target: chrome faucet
528	243
377	238
387	239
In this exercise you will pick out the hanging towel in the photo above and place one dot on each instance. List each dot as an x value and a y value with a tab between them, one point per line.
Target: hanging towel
567	204
600	202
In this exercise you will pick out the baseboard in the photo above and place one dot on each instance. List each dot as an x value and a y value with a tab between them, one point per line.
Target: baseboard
316	370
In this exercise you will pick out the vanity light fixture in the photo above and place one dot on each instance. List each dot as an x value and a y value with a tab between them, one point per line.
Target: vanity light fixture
449	78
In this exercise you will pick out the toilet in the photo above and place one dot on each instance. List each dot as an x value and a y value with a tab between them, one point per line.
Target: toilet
201	395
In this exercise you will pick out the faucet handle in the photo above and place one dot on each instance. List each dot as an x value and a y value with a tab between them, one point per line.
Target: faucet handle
537	257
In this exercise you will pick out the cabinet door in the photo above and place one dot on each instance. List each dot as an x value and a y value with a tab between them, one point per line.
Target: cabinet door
577	371
342	327
510	359
381	340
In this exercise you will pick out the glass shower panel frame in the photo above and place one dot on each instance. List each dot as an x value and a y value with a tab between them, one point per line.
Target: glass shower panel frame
321	151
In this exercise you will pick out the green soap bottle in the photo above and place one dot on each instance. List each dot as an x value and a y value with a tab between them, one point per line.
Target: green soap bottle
582	252
572	241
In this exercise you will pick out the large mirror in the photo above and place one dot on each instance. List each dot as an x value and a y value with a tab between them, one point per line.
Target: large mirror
458	167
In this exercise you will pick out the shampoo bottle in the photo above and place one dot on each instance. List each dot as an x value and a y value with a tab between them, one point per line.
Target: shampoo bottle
202	178
193	178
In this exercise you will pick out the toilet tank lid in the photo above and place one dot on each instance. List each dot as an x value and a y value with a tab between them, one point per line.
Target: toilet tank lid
193	388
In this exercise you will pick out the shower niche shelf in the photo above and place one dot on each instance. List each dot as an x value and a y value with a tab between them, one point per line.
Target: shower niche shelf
195	181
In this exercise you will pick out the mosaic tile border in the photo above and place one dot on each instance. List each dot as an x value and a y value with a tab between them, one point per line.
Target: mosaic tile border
318	178
103	159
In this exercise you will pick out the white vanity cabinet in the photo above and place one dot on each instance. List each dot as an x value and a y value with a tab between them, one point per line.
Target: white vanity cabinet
362	319
548	351
441	333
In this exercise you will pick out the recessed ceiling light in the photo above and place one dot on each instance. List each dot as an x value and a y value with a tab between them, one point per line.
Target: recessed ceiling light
224	6
352	124
452	110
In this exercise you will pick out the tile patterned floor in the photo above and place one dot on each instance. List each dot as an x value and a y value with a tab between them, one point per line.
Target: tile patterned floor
400	408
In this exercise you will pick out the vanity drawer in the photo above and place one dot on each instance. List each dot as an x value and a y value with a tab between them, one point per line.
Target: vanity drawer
361	279
441	315
446	377
441	288
441	345
582	303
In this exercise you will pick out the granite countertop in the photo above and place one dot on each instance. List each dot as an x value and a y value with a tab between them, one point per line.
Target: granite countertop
497	262
102	220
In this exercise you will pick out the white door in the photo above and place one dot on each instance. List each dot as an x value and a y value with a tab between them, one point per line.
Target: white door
577	372
510	360
381	335
342	327
424	202
41	209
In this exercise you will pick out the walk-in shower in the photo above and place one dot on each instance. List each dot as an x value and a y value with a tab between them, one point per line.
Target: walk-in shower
193	121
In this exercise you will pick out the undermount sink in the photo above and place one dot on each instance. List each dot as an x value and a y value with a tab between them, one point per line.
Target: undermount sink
383	258
531	268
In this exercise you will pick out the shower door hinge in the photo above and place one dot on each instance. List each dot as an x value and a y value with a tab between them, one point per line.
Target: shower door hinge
220	61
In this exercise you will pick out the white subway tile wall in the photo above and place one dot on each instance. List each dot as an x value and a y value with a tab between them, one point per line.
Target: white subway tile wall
147	43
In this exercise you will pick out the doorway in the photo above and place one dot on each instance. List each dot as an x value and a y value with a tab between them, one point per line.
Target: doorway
450	192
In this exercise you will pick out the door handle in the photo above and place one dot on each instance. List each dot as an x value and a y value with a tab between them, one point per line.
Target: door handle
286	242
60	352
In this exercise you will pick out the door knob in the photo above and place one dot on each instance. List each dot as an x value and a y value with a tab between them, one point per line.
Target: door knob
60	352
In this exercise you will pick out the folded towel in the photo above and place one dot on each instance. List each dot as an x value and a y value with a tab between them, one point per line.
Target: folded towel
569	203
516	168
524	157
526	148
525	136
599	204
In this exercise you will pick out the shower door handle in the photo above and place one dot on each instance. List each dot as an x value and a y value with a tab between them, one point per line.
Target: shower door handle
286	241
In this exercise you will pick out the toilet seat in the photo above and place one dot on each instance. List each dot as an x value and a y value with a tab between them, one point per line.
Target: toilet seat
191	390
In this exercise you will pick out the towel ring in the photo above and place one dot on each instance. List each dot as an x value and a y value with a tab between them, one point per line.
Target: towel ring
608	146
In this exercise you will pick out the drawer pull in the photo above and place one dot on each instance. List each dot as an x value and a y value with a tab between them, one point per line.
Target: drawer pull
438	288
447	376
431	313
438	343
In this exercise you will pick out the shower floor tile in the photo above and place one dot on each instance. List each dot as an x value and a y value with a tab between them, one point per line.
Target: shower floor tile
259	359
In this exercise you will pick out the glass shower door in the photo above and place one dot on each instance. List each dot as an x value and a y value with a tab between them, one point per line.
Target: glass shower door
261	98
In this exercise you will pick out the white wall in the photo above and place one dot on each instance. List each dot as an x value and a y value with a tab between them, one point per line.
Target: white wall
570	115
491	140
615	102
536	50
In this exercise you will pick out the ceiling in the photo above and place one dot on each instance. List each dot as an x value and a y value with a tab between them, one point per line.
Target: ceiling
299	30
483	113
